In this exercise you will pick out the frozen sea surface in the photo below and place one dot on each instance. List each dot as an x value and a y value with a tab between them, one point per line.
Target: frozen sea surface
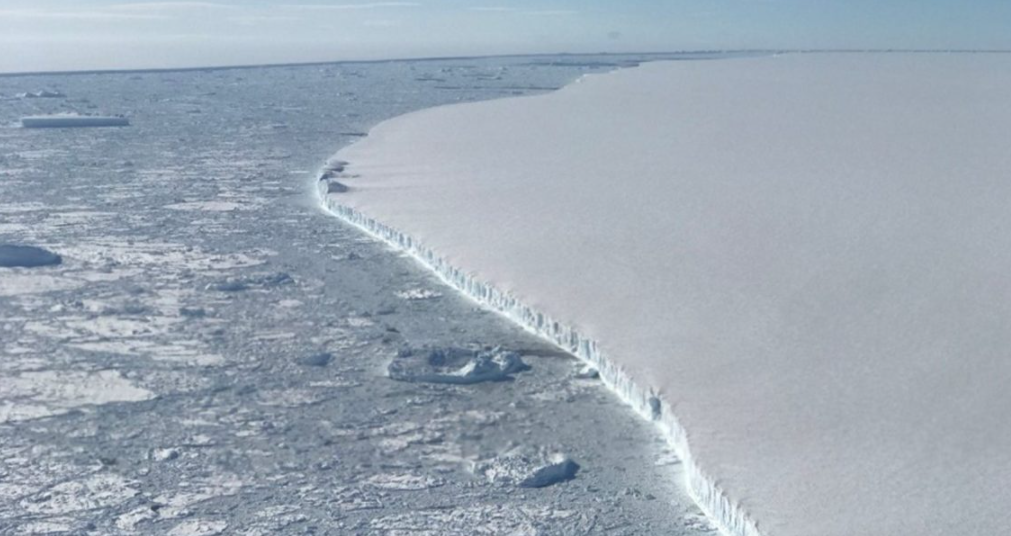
212	355
797	265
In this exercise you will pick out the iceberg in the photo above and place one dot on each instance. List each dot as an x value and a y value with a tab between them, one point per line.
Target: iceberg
796	266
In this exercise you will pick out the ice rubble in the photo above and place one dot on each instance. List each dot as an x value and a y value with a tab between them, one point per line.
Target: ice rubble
455	365
524	467
37	394
41	94
796	266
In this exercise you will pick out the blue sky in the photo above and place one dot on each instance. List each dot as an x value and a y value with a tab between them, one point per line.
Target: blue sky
42	35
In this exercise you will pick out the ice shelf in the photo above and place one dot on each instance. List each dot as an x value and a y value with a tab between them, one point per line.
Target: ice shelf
797	266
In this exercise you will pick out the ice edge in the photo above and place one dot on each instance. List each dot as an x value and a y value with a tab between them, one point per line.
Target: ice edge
727	515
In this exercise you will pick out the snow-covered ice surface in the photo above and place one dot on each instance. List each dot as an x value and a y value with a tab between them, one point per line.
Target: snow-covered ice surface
798	266
212	355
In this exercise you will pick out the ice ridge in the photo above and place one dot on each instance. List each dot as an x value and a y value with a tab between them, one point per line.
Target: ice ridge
726	514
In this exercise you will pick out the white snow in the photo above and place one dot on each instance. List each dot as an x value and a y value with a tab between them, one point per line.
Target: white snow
198	527
403	482
797	265
96	491
37	394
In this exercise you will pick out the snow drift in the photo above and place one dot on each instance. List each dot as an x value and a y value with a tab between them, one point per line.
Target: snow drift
797	266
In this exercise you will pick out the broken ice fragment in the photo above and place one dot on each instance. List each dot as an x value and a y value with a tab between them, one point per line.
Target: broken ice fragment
455	366
551	474
316	360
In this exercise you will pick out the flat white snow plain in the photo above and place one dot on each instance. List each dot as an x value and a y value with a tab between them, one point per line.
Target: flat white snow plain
797	265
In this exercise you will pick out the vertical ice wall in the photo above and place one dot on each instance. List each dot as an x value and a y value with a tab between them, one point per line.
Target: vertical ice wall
795	265
702	488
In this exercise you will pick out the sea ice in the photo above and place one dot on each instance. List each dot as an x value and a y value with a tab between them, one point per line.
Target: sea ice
560	471
198	527
797	265
41	94
321	359
455	365
36	394
239	284
526	467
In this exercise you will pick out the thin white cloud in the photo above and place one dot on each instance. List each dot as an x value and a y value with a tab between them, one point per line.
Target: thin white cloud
253	20
550	12
492	9
349	7
114	12
169	6
48	14
505	9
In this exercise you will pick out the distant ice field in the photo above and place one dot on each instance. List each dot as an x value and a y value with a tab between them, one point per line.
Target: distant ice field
190	346
797	265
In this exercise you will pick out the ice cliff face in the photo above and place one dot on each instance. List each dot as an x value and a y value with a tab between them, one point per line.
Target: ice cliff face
703	489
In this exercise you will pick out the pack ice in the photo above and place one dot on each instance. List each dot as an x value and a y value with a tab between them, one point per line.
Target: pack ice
798	266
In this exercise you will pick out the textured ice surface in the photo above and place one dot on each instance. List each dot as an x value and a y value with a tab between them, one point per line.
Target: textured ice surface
524	467
798	266
455	365
34	394
150	402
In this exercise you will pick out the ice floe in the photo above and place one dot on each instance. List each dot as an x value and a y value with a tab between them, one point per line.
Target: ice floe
455	365
35	394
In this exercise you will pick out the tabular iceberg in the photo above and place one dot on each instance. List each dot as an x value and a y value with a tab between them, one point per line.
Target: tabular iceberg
798	266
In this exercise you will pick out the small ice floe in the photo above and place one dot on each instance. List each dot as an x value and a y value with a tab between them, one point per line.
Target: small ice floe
74	121
475	518
587	372
321	359
527	468
101	490
296	397
14	256
37	394
403	482
42	94
418	294
455	366
350	499
359	321
246	283
211	206
165	454
198	527
192	312
562	471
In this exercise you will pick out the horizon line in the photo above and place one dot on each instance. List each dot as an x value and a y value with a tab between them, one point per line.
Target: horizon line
209	68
